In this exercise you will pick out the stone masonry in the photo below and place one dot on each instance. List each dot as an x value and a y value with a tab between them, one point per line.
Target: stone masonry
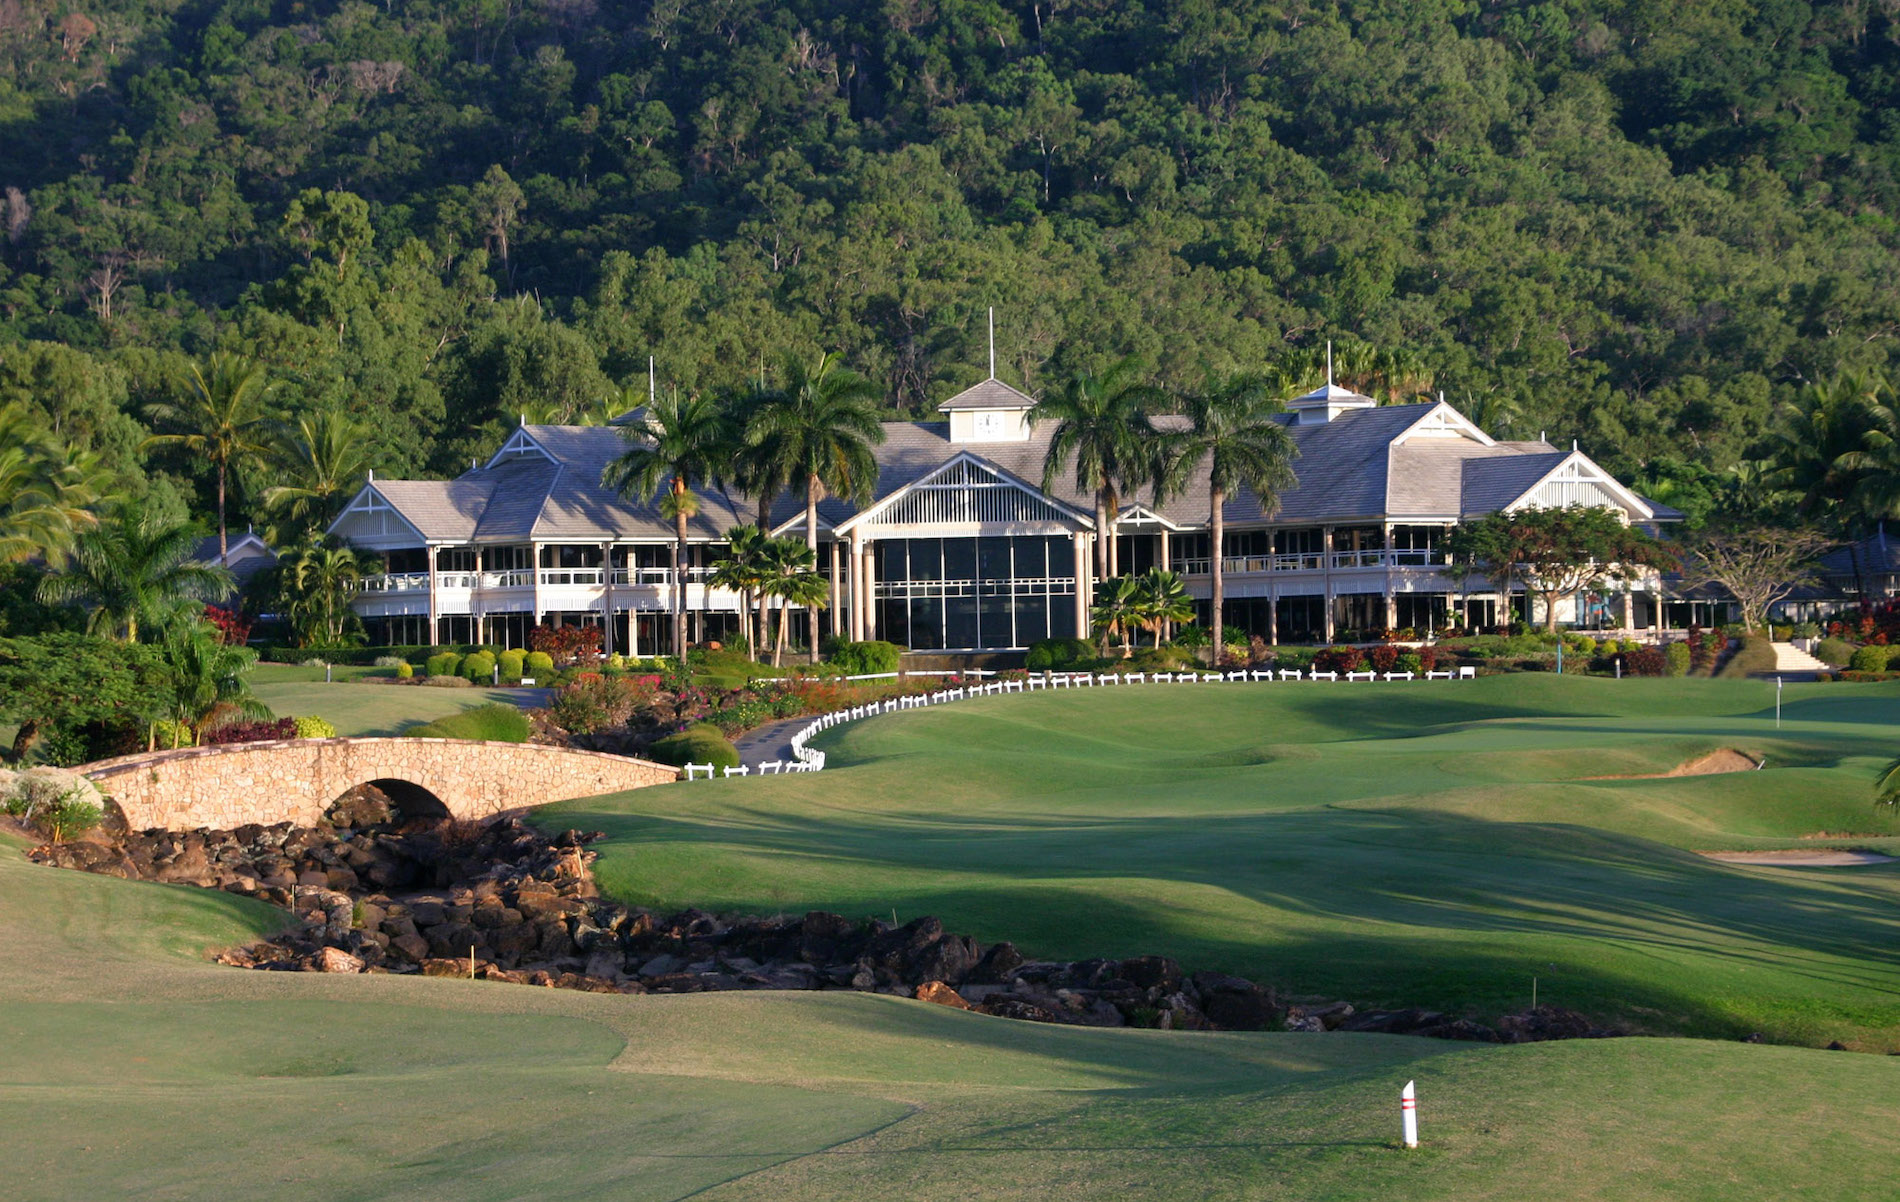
296	780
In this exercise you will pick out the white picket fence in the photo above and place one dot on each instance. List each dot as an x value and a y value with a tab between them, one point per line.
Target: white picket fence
806	758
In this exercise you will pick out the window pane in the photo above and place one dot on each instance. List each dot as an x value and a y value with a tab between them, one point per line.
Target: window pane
1032	559
1061	558
1032	619
926	559
960	618
992	560
959	563
996	621
891	555
926	623
893	621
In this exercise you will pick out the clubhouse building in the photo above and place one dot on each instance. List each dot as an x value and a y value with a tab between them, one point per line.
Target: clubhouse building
961	550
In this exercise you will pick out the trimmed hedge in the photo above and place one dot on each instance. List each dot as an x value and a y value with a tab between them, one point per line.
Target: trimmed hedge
865	658
1871	659
492	723
1057	654
479	667
361	657
698	744
444	663
1676	659
1834	652
538	664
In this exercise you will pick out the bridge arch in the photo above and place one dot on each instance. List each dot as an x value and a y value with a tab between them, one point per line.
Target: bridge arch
296	780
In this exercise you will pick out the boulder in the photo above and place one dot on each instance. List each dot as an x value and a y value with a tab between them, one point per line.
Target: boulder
941	994
332	959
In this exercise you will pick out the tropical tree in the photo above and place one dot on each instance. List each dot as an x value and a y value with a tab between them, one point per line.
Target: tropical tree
1117	610
742	571
134	570
820	423
56	684
1102	429
205	675
1163	599
1231	432
221	409
790	576
1556	553
45	491
322	459
676	443
315	584
1757	565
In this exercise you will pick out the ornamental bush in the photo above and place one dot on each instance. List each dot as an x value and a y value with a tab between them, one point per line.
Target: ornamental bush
1339	659
495	723
866	658
538	664
57	803
259	731
404	671
448	682
697	744
445	663
389	661
1385	658
314	728
1057	654
168	734
1835	653
1871	658
1676	659
479	667
513	663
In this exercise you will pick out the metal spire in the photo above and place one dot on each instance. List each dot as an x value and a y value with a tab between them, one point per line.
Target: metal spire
1329	363
650	384
992	342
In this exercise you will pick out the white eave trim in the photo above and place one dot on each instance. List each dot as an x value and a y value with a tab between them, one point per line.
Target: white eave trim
1442	416
356	500
522	443
1632	504
1142	515
1073	514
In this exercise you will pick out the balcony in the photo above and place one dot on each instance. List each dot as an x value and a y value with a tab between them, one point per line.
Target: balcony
658	576
1313	561
398	582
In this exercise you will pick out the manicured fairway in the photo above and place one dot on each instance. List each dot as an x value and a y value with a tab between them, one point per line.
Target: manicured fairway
363	709
1434	844
131	1068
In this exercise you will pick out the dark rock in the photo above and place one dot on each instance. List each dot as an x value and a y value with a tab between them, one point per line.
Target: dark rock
1394	1022
997	964
1545	1023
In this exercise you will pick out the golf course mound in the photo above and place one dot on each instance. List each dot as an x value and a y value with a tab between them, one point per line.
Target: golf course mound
1715	763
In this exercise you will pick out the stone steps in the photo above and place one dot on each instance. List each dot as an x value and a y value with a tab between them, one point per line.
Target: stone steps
1790	658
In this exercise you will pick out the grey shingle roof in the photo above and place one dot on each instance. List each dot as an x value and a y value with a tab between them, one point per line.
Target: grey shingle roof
990	394
1494	482
443	510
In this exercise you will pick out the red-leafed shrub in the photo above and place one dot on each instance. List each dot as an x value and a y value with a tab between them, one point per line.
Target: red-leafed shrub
1384	657
234	629
1339	659
567	645
250	732
1645	661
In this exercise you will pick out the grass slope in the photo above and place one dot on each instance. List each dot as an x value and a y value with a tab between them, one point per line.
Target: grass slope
1437	844
364	709
129	1067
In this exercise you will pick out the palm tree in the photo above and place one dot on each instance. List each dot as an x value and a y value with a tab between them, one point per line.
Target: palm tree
1817	440
676	443
821	422
131	570
1162	598
789	571
315	584
223	417
741	571
322	461
1102	425
1117	610
1230	428
45	491
206	674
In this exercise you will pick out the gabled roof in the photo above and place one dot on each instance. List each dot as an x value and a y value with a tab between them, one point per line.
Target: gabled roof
990	394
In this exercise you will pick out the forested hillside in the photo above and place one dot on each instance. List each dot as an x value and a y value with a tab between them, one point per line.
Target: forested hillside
1640	223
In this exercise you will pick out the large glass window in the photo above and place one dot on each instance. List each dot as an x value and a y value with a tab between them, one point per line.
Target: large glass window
959	561
971	593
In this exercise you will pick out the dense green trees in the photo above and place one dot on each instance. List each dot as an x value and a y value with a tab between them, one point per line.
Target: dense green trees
1634	224
133	570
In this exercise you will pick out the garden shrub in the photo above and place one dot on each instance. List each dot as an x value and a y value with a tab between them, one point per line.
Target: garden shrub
1676	659
253	731
1409	661
1834	652
538	664
448	682
1645	661
388	661
1871	659
168	734
1057	654
495	723
404	671
479	667
697	744
1339	659
1384	658
594	702
866	658
446	663
513	664
314	728
57	803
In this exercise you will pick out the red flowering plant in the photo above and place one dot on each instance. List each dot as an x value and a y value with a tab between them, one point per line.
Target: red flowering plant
234	629
567	645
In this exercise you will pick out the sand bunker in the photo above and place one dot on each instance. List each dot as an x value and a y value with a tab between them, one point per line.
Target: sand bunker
1725	760
1819	857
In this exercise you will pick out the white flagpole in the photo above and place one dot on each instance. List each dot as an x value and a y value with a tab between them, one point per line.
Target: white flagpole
1408	1110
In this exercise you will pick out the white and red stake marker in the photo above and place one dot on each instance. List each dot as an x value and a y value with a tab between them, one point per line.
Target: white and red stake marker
1408	1113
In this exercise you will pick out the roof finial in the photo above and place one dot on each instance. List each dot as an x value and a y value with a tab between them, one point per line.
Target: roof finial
1329	363
1573	446
372	475
992	342
650	380
524	419
1441	396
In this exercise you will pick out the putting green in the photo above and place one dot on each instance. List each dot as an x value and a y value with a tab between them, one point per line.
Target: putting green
1434	844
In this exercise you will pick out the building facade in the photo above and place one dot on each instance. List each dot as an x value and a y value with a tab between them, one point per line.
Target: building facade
961	549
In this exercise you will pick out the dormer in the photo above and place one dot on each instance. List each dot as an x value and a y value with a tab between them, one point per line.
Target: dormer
1325	403
989	412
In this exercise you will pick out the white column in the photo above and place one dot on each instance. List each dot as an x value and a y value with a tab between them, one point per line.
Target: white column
1326	562
867	572
1083	584
435	630
858	592
607	598
1167	565
837	588
534	559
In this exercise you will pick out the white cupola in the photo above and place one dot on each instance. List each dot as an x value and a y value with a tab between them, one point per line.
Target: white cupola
1325	403
989	412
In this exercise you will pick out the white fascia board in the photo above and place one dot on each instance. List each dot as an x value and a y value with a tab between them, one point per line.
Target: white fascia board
1070	511
1632	504
1446	417
1142	515
365	491
520	440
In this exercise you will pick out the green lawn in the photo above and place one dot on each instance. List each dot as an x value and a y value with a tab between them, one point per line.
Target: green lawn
362	708
129	1067
1432	844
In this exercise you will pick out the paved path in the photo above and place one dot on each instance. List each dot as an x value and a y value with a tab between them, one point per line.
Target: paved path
773	741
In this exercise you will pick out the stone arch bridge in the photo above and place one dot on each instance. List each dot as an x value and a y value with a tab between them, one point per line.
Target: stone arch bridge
296	780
